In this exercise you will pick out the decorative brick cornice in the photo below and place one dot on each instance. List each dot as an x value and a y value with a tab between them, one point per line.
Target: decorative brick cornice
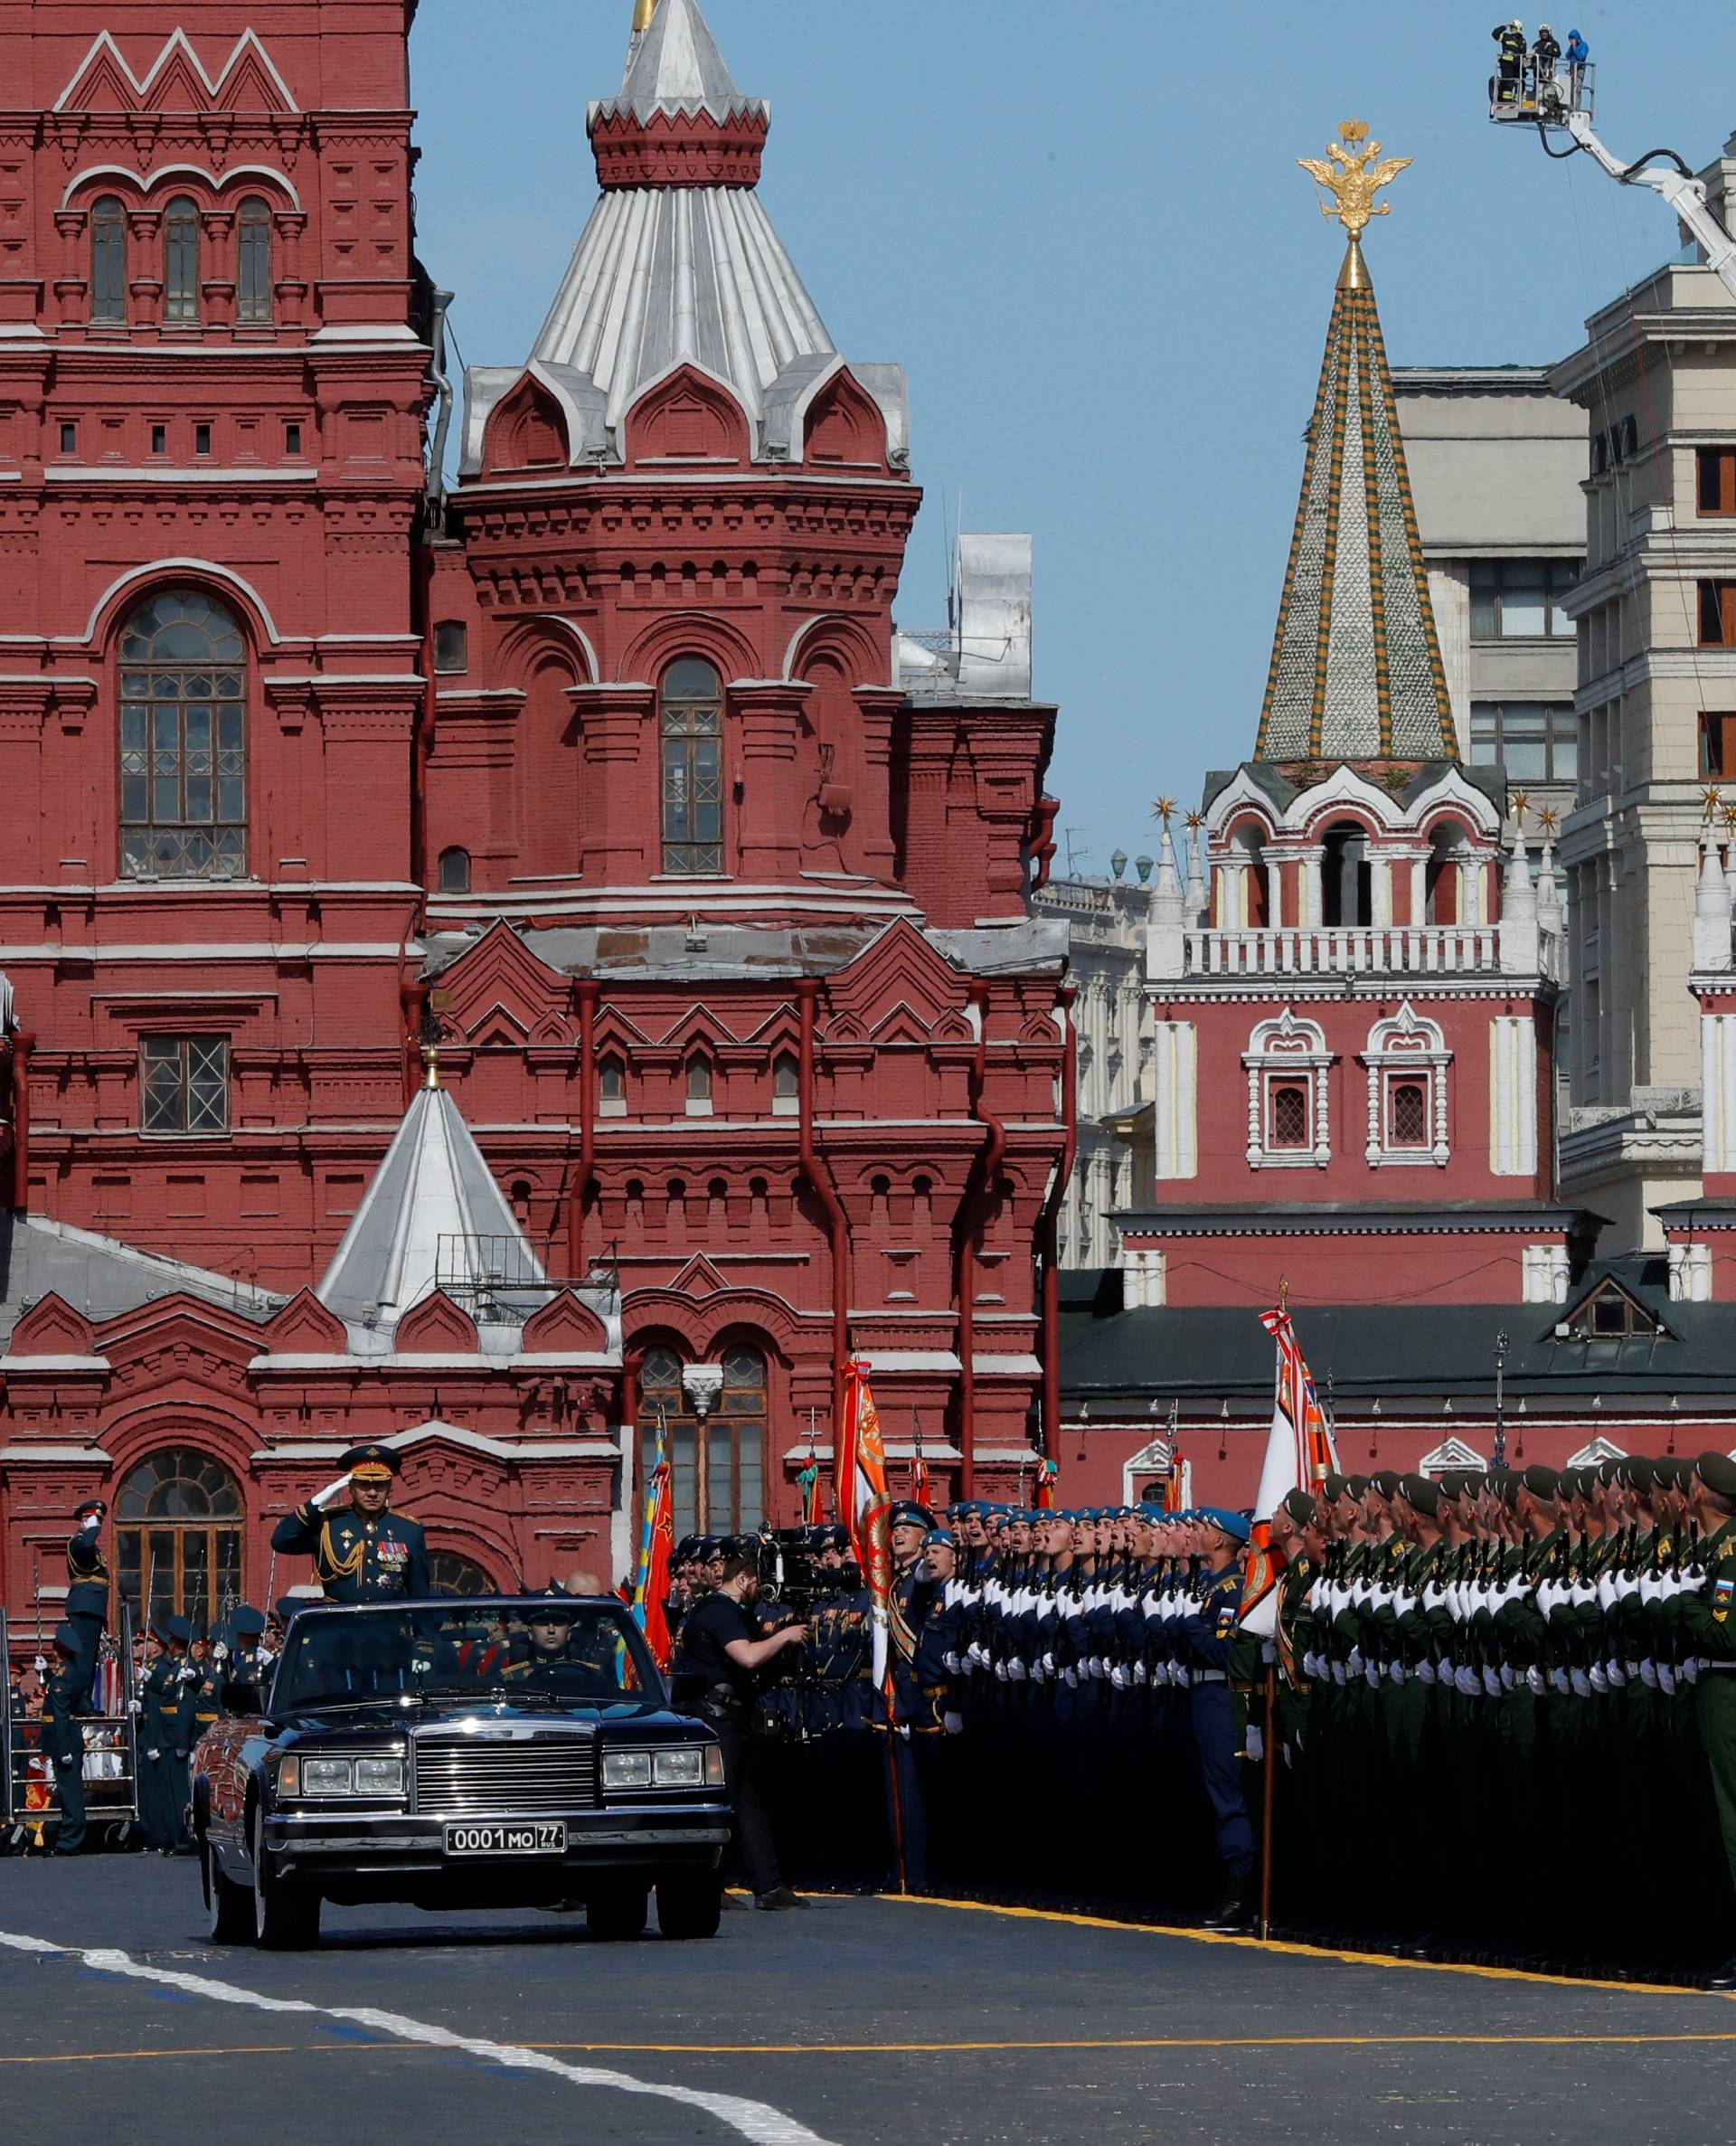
679	148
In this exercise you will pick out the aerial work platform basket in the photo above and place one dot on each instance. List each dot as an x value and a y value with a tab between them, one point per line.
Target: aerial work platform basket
1540	98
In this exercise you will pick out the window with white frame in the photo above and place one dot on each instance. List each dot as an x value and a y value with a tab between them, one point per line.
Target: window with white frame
1289	1066
1407	1061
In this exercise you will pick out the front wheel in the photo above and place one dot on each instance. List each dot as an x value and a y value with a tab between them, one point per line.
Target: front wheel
618	1912
690	1904
285	1913
230	1919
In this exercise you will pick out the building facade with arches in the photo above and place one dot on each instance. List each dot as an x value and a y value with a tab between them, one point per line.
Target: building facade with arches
603	771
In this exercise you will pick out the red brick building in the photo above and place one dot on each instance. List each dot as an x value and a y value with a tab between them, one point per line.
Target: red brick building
607	770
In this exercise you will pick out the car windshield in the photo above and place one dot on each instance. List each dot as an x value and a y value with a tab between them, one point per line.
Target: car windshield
539	1651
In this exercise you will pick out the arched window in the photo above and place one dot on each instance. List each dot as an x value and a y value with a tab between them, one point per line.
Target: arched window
692	769
786	1085
1408	1065
1345	879
455	872
178	1526
1289	1068
253	261
1407	1114
181	262
611	1087
108	260
716	1438
450	1573
183	740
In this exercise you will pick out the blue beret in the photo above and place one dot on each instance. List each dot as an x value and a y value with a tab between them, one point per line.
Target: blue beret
940	1534
1232	1524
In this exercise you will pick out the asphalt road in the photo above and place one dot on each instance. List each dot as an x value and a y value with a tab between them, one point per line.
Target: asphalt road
862	2021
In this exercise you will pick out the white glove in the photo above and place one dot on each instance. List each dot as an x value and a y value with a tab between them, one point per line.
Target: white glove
1649	1675
1426	1672
322	1499
953	1724
1254	1744
1580	1682
1607	1593
135	1705
954	1666
1492	1685
152	1755
1650	1588
1596	1677
1666	1679
1534	1681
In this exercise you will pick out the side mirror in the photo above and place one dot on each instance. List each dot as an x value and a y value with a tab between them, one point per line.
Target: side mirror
237	1699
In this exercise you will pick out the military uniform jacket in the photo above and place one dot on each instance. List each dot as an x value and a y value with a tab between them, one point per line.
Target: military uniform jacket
165	1722
86	1575
1704	1617
380	1559
65	1699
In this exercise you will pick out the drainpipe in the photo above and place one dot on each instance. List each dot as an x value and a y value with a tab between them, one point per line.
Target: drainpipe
586	992
820	1177
414	1000
23	1043
973	1209
1048	1230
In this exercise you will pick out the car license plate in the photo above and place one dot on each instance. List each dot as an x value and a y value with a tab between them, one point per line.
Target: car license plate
545	1838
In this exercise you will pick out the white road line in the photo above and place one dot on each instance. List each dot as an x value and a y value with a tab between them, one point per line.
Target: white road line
756	2120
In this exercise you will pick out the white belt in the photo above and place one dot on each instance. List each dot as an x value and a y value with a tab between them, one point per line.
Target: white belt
1222	1675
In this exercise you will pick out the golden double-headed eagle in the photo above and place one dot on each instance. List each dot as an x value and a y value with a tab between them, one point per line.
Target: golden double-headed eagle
1352	179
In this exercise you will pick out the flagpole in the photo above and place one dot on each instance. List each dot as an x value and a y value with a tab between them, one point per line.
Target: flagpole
1268	1801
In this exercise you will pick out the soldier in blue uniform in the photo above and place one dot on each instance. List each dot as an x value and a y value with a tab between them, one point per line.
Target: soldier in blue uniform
87	1586
66	1698
249	1659
166	1736
1206	1636
365	1552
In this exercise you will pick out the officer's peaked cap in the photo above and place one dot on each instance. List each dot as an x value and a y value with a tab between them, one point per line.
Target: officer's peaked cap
66	1639
247	1622
372	1464
910	1514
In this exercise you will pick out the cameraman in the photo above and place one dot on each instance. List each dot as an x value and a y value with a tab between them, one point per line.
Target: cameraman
712	1679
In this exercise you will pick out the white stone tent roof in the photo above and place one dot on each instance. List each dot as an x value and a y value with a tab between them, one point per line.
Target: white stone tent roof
1357	671
666	275
434	1207
674	65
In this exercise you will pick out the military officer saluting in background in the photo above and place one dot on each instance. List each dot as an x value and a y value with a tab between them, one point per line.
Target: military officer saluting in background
364	1552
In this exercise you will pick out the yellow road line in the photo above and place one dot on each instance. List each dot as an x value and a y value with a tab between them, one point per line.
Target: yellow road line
1271	2041
1274	1944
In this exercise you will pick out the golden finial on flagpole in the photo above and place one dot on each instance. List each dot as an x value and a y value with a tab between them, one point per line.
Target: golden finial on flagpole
1521	800
1283	1292
1710	799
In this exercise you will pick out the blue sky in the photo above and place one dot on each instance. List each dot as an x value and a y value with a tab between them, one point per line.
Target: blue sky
1082	230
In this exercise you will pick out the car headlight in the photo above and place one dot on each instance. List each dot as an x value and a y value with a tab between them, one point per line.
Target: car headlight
379	1777
627	1769
678	1769
325	1777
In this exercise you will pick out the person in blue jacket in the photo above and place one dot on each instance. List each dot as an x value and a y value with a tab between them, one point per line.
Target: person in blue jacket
1207	1635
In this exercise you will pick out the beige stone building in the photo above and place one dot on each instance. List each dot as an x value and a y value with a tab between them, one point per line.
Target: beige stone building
1656	378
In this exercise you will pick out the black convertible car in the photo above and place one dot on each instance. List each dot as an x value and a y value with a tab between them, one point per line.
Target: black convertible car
498	1751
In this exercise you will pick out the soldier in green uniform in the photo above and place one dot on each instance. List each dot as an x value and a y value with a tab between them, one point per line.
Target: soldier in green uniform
1707	1633
365	1552
68	1698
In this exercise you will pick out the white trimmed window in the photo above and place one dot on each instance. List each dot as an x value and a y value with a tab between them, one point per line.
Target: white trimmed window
1407	1061
1289	1066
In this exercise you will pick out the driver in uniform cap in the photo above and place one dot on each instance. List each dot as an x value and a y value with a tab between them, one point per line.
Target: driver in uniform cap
366	1553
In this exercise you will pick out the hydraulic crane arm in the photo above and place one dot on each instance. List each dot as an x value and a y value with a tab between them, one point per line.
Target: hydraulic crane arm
1685	195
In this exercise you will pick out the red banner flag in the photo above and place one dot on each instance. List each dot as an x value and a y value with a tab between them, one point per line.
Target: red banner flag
865	1507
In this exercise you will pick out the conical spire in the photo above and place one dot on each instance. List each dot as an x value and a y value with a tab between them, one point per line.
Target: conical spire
1357	671
673	65
433	1211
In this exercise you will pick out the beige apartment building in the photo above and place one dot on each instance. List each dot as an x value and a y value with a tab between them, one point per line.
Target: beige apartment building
1656	613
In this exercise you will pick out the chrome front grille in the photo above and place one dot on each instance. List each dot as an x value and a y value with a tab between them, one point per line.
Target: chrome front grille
470	1774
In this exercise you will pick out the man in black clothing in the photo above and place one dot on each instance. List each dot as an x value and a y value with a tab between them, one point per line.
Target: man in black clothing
713	1679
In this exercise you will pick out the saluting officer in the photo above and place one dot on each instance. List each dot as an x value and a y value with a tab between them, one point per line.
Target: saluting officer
366	1552
87	1586
68	1697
